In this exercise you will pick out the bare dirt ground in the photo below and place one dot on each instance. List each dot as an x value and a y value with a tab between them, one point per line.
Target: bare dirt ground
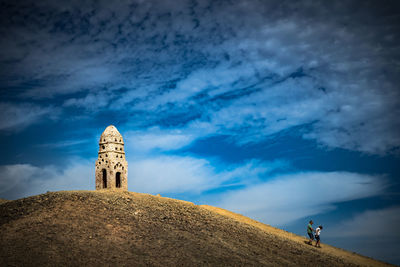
117	228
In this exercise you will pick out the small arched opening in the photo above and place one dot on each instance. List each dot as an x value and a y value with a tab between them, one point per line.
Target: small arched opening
104	178
118	180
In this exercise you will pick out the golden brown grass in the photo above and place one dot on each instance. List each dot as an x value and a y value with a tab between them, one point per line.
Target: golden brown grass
120	228
299	240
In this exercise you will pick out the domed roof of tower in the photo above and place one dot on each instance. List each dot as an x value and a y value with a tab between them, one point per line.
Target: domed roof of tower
111	134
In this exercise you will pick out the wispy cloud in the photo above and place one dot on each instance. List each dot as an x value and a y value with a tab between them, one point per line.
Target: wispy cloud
171	174
157	139
184	62
63	144
289	197
15	117
380	223
372	232
92	101
190	175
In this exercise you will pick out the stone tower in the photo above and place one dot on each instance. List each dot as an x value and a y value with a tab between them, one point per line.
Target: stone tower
111	165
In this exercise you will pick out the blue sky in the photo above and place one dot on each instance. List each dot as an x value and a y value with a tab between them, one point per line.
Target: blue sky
279	110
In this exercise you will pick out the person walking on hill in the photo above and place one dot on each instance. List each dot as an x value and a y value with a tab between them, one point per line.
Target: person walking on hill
310	231
317	234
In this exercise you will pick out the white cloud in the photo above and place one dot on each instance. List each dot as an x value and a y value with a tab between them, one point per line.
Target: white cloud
175	174
341	95
380	224
359	118
289	197
169	174
22	180
207	52
291	103
165	139
157	139
374	233
213	82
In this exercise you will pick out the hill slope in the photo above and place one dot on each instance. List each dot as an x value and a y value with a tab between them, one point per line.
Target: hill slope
125	228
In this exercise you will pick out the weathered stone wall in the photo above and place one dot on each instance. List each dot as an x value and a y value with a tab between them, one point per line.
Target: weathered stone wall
111	158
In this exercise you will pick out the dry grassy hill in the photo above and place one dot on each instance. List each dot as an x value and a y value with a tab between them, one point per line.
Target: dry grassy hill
114	228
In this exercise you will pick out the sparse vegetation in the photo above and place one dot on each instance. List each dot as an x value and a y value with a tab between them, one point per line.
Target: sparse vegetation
120	228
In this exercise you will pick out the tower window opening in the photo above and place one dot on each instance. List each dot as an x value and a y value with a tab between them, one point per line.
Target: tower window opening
104	178
118	180
116	148
103	147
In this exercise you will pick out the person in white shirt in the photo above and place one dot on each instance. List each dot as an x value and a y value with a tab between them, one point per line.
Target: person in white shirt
317	234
